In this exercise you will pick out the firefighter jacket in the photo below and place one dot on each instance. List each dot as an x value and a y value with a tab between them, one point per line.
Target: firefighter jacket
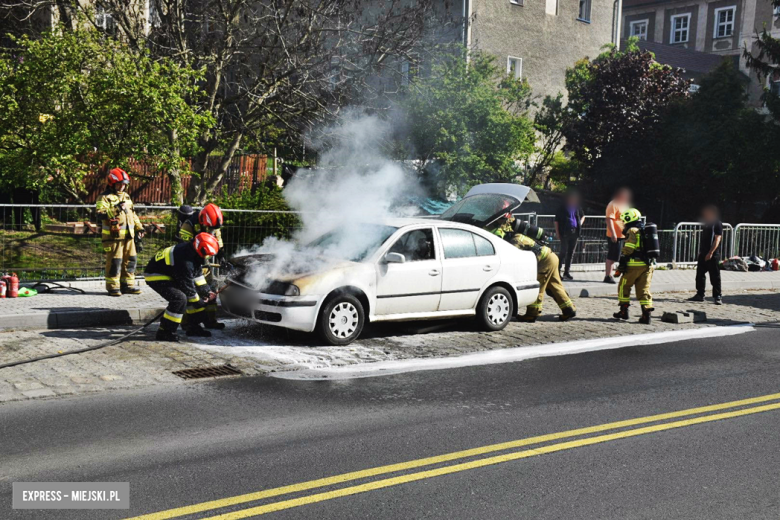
117	223
521	241
182	266
192	227
633	253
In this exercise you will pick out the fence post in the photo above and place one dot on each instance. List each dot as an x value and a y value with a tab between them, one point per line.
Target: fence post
735	240
674	245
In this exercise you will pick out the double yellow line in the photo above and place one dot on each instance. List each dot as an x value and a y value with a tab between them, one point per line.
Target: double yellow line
693	416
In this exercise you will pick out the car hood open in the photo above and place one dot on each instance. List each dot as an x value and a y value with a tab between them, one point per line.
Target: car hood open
486	203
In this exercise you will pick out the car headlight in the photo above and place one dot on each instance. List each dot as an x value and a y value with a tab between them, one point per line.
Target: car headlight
282	289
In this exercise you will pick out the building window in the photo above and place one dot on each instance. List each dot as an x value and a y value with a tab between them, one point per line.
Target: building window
639	29
584	13
681	24
777	10
103	20
774	83
514	67
154	14
516	2
724	22
551	7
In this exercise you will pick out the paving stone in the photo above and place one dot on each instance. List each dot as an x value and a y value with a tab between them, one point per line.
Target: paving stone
43	392
677	317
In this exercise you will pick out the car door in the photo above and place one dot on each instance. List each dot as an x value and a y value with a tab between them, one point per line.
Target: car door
469	262
414	285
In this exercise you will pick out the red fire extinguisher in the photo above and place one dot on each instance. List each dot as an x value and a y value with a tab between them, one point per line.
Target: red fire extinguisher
11	285
2	288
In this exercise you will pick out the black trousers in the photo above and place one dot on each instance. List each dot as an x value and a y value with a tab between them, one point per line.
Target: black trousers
177	303
568	245
712	267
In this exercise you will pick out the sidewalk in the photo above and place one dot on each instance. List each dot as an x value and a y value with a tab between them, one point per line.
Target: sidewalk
63	309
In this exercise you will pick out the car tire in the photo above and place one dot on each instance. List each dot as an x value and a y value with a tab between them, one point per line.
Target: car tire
495	309
341	320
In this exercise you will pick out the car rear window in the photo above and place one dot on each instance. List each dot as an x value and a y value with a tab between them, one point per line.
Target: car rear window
459	243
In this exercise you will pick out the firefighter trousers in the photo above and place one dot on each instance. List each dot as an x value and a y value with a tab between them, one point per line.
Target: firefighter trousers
639	276
177	303
121	259
549	278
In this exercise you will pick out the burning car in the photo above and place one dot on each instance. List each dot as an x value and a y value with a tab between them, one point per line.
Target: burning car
399	269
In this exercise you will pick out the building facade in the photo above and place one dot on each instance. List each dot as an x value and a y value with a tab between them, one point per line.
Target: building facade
539	39
718	27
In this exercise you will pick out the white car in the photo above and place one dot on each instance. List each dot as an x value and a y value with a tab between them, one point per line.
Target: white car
409	269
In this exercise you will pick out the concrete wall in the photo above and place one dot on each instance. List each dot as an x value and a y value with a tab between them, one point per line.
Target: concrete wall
547	43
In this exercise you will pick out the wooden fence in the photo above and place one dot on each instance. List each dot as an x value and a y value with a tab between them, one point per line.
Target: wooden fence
148	185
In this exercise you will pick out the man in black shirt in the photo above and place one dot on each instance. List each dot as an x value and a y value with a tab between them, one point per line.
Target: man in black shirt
568	225
709	255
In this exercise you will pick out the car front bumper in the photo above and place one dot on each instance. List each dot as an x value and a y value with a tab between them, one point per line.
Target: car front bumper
292	312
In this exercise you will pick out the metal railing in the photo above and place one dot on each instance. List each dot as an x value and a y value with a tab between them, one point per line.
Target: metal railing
757	239
63	241
687	242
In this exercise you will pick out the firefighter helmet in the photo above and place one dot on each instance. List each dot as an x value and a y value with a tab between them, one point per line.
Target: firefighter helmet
206	244
210	216
630	215
118	176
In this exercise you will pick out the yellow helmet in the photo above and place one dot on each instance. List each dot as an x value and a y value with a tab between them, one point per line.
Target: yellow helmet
630	215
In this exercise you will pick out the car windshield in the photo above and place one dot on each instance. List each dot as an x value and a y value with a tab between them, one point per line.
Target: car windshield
479	210
354	243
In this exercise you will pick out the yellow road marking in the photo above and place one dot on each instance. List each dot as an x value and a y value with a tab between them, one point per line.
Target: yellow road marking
392	468
456	468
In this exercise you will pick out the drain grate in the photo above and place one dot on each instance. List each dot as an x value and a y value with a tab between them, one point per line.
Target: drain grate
200	373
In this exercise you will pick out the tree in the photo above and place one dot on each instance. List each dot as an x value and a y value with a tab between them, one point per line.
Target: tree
74	99
764	59
270	64
549	124
616	99
468	122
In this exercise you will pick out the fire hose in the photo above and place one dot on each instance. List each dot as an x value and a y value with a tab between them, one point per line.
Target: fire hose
94	347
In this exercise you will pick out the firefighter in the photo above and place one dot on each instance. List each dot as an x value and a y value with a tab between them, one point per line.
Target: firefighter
208	220
547	271
120	226
176	274
635	267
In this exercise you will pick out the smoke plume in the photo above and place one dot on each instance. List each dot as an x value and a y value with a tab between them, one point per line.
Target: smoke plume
354	183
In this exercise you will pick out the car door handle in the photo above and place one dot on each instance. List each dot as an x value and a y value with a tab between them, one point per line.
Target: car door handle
487	268
433	272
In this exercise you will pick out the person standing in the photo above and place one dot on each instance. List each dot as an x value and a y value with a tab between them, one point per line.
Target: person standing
568	227
619	204
709	255
120	225
636	269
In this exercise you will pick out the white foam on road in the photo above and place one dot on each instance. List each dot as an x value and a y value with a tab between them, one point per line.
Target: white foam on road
509	355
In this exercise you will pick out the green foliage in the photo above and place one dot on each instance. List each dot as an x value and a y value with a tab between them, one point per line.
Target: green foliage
764	59
253	228
468	122
71	100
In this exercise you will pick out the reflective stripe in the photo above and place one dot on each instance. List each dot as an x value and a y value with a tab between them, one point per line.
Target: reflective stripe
185	235
193	310
200	280
194	299
122	232
630	246
169	256
157	277
637	263
176	318
565	304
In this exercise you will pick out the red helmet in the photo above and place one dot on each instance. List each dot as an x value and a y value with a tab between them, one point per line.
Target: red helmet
118	175
210	216
206	244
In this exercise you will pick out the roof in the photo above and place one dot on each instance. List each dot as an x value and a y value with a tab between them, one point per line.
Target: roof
676	56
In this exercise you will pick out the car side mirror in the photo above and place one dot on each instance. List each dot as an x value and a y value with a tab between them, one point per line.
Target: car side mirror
395	258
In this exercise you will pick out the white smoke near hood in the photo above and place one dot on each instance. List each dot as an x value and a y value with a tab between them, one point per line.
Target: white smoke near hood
354	188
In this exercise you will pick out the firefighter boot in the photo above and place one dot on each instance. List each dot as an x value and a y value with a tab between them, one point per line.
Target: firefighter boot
531	313
646	315
622	314
167	331
114	292
130	289
567	314
210	319
195	330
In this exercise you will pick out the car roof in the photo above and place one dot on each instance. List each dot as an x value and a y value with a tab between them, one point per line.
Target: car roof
403	222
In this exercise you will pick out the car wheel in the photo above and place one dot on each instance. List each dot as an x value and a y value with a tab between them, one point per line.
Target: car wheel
495	309
341	320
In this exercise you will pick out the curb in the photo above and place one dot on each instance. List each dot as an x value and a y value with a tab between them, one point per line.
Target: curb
77	319
611	290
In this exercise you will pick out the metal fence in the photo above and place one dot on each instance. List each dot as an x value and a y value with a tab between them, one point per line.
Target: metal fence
62	242
687	239
757	239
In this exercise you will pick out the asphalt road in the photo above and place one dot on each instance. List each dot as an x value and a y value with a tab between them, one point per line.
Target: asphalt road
224	438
